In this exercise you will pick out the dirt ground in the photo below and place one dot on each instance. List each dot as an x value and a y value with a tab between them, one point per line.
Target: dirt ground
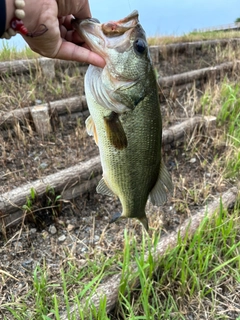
26	157
81	227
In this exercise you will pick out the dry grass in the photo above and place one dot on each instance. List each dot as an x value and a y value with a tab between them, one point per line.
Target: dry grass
12	53
34	88
193	36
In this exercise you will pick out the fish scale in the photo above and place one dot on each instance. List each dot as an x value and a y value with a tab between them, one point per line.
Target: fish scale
125	117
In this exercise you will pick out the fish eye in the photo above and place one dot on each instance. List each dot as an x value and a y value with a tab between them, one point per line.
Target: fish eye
139	46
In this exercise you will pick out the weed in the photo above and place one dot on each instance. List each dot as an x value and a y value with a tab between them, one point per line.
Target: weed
42	210
228	118
31	200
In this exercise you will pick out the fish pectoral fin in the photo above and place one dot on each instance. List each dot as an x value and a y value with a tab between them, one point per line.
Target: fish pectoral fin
115	131
91	129
90	125
158	195
104	189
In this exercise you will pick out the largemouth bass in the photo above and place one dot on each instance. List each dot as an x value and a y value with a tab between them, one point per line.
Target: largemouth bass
125	117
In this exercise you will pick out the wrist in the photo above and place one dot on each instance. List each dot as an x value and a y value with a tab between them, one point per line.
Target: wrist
10	11
14	13
24	17
30	7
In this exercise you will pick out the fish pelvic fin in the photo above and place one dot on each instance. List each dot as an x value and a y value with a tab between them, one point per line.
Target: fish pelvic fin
91	129
104	189
158	194
115	131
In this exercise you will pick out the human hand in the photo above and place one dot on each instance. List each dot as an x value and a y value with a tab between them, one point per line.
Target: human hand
60	41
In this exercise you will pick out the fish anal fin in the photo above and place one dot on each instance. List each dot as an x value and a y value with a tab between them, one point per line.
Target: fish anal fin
158	194
91	129
104	189
115	131
115	217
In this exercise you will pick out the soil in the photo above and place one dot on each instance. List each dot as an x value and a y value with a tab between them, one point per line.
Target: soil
81	228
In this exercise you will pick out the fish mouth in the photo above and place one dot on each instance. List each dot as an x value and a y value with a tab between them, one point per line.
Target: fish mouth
106	35
117	28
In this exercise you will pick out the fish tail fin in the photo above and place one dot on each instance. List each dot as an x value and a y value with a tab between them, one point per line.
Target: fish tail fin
143	219
144	222
158	194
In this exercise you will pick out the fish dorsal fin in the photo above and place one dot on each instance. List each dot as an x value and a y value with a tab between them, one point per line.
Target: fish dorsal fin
115	131
104	189
158	195
91	128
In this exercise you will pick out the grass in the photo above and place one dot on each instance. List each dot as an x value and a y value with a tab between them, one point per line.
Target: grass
46	298
230	115
225	103
12	53
194	269
198	276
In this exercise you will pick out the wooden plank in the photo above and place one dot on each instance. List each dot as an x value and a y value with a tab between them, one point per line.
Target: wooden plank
205	73
26	65
75	191
64	106
41	120
63	180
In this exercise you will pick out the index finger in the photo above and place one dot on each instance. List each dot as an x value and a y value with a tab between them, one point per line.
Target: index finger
70	51
84	12
79	9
